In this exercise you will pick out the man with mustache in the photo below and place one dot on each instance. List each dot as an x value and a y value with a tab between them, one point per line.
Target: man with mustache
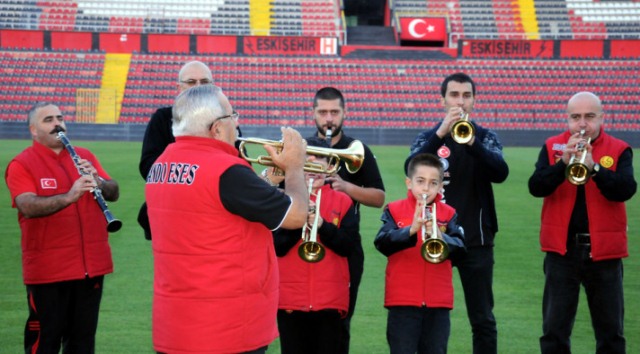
65	249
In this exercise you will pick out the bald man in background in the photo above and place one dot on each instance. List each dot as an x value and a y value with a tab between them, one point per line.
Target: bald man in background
158	133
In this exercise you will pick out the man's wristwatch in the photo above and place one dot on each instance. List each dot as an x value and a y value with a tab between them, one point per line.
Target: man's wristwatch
596	169
265	177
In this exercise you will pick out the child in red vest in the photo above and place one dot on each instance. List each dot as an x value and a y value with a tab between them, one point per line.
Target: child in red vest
314	293
419	286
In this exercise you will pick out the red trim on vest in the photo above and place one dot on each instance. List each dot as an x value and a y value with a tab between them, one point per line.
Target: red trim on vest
410	280
607	219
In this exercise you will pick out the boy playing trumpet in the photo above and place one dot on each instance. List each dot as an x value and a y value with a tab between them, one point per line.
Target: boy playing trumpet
418	294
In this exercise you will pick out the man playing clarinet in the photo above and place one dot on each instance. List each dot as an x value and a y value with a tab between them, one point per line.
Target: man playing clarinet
65	249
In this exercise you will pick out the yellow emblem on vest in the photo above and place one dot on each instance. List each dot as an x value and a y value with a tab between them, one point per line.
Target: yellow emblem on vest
606	161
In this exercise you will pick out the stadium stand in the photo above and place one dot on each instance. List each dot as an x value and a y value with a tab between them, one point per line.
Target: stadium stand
227	17
548	19
513	94
29	77
271	90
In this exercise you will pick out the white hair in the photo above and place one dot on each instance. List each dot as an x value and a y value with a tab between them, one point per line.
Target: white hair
195	109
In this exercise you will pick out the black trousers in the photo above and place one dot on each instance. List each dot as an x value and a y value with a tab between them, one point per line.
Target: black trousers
356	268
419	330
63	314
476	275
315	332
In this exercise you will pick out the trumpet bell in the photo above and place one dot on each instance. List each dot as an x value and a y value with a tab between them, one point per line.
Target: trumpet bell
577	173
462	131
434	250
311	252
353	156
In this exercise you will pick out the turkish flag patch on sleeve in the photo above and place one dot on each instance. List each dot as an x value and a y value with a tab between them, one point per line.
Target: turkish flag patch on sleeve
48	183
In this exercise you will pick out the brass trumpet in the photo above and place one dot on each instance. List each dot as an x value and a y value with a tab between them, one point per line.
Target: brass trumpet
462	131
434	249
577	172
353	156
310	250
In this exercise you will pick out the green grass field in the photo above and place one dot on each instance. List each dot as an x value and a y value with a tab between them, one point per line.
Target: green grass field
125	319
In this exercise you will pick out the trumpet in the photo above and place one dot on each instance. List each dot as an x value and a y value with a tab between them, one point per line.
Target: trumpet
462	131
310	250
434	249
577	172
353	156
113	224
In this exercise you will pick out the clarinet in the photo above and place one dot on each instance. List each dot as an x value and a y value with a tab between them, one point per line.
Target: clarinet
113	224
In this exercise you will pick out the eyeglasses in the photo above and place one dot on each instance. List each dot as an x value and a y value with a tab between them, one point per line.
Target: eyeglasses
193	82
235	115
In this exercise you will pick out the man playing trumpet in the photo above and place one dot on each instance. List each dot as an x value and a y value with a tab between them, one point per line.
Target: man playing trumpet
584	227
419	294
314	281
215	271
470	169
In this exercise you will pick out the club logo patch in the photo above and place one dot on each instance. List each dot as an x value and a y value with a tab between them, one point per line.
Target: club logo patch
48	183
606	161
444	152
445	164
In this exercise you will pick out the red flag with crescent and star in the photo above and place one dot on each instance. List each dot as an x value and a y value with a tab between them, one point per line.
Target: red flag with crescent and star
423	28
48	183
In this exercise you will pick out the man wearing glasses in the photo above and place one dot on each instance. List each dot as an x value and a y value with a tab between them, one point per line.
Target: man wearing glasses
158	133
215	268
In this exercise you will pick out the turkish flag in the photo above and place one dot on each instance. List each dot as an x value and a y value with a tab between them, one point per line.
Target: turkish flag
48	183
423	28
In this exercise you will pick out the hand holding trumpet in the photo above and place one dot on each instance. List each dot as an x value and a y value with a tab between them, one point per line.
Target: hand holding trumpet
576	146
292	156
462	134
312	216
422	220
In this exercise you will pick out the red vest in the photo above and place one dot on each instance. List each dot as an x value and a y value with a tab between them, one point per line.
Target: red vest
607	219
323	285
216	276
72	243
410	280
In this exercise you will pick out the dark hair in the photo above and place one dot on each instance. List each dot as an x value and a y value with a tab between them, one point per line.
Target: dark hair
328	93
425	159
457	77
